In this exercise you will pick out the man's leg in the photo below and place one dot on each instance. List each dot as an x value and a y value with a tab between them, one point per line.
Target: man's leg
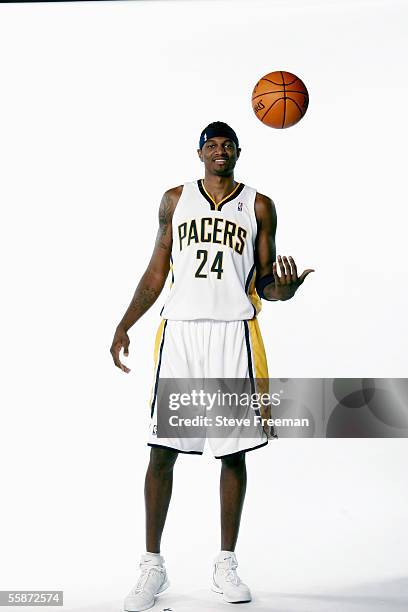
158	485
232	494
158	488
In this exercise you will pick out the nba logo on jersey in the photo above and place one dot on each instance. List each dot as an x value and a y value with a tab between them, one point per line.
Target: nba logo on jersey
239	206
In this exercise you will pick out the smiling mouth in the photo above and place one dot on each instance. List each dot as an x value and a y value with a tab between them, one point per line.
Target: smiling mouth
220	161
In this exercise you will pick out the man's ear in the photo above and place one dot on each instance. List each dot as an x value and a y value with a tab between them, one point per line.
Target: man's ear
200	155
238	153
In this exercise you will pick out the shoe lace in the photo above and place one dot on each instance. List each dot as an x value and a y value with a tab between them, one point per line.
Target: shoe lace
231	572
146	571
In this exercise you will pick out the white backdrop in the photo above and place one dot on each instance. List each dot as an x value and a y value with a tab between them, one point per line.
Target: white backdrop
101	108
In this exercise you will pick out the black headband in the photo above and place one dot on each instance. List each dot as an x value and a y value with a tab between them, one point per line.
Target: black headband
211	132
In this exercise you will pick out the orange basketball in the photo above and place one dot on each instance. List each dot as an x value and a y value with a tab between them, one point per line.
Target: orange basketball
280	99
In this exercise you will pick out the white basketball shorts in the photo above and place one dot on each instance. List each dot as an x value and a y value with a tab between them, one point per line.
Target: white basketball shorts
202	349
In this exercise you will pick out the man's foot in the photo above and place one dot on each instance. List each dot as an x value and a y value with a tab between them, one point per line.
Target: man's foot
226	580
153	580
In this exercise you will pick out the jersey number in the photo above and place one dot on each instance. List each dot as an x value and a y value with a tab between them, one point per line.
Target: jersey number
216	264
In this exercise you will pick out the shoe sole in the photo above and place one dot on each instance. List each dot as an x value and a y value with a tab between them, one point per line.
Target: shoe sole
228	599
153	601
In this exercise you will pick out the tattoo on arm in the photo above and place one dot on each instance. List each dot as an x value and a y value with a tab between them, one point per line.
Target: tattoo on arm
152	281
144	298
164	221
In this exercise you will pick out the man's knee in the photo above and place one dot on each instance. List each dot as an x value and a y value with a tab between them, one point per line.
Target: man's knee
162	460
235	461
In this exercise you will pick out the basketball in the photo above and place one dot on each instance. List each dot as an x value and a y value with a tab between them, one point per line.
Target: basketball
280	99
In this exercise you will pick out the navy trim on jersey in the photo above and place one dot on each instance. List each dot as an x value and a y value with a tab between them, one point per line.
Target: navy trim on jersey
172	268
251	376
156	384
244	450
172	280
175	449
248	282
248	346
204	193
210	201
249	278
232	197
250	368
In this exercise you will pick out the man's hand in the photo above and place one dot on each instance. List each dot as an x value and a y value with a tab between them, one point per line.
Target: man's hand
120	340
288	282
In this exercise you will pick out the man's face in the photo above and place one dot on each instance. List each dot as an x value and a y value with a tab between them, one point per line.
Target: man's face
219	155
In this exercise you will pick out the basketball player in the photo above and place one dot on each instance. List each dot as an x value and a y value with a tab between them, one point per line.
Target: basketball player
217	236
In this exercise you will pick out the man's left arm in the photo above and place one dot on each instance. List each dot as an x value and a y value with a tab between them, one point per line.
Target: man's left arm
277	279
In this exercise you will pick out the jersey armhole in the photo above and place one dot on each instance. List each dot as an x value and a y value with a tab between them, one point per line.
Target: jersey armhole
253	215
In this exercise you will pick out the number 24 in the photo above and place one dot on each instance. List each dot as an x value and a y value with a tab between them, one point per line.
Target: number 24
216	265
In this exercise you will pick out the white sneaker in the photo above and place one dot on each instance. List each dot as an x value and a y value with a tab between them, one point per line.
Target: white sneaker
226	580
153	580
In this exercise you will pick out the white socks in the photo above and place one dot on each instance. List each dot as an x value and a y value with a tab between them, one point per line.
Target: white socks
224	554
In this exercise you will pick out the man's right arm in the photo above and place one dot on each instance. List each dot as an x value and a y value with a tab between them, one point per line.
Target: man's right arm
153	280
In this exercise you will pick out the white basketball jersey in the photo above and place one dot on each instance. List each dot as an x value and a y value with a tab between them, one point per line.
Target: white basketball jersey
213	266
